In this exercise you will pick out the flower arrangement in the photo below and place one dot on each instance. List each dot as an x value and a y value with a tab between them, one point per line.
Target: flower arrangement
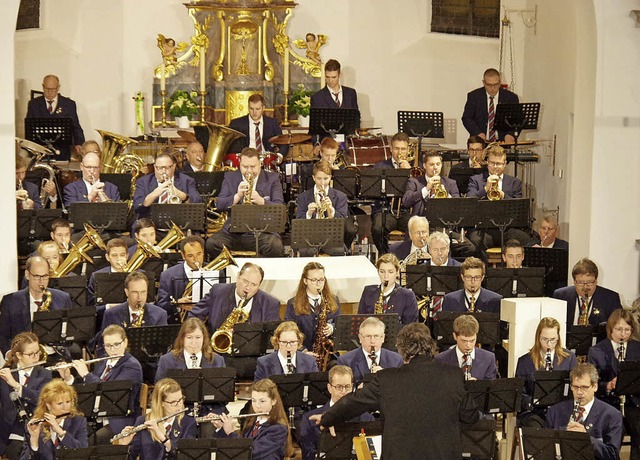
181	104
300	101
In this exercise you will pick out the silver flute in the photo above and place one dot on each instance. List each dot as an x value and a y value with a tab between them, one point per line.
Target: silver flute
214	417
142	426
59	366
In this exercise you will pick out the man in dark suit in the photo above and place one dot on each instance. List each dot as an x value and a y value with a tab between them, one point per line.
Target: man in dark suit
90	188
513	254
17	308
548	234
370	357
482	103
334	95
27	193
476	363
418	227
422	400
421	189
54	105
116	255
438	245
472	297
267	190
602	422
222	299
587	303
162	185
462	172
195	158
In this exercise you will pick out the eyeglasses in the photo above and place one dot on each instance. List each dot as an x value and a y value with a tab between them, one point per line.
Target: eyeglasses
496	163
372	336
623	329
31	355
39	277
316	280
585	283
580	388
288	343
342	387
549	341
111	346
399	149
492	85
547	229
475	150
175	403
50	89
164	168
472	278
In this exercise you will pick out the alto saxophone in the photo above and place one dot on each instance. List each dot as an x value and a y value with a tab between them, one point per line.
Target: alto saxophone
378	309
322	346
247	195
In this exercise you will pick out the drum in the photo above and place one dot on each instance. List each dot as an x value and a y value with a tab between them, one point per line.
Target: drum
232	159
270	161
367	151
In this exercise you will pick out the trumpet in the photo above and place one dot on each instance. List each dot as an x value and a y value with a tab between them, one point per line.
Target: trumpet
173	196
439	191
247	195
59	366
142	427
36	421
322	212
494	193
214	417
102	196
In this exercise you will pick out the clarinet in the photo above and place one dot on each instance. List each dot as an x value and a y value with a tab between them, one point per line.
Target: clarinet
575	413
372	357
290	367
548	364
621	358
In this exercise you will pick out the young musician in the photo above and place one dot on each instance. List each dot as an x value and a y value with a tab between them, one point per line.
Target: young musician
116	255
27	194
165	423
25	384
312	297
392	297
56	424
270	433
473	297
513	254
144	231
61	234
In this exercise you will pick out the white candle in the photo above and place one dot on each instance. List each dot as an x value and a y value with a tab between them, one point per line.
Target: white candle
203	71
286	68
322	79
163	82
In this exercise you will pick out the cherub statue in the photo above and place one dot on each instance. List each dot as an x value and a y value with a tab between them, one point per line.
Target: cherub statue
168	47
312	44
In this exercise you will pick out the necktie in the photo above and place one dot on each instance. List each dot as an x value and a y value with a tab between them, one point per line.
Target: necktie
472	304
194	361
583	319
50	108
437	304
167	430
134	318
38	303
337	99
466	362
580	415
258	138
316	303
26	379
164	197
256	428
56	443
107	371
493	135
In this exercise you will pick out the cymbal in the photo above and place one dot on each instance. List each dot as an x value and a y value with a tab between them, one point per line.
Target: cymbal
187	136
286	139
32	147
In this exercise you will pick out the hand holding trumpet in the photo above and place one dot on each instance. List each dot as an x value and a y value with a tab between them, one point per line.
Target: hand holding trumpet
492	186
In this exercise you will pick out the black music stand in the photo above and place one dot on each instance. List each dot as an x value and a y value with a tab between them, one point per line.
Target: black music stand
556	263
515	118
489	333
54	133
61	327
104	399
35	224
340	446
546	444
110	287
429	280
347	328
628	382
302	390
190	216
549	388
120	180
148	343
516	282
102	452
101	216
346	181
420	125
504	213
75	286
325	122
270	218
317	234
498	396
479	439
215	385
253	339
581	338
207	183
452	212
219	449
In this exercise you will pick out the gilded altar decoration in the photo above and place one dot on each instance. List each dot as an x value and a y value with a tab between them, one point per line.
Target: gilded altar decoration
169	48
312	45
243	30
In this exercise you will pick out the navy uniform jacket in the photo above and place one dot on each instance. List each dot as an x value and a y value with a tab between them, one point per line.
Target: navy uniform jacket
558	243
77	192
66	108
148	449
413	198
269	365
603	424
15	316
270	129
603	356
34	193
91	285
402	250
483	366
76	438
338	200
525	368
147	184
153	316
356	360
401	301
173	282
268	444
171	361
323	99
221	300
487	301
308	324
604	301
461	173
511	186
475	117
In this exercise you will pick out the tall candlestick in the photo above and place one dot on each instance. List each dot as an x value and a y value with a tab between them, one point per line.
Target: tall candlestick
203	71
322	77
163	81
286	68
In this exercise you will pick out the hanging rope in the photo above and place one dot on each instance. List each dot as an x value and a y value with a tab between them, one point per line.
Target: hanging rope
506	39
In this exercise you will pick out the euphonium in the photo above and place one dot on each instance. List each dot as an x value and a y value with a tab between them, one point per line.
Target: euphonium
112	147
220	139
102	197
223	260
494	192
247	195
377	309
322	346
140	256
79	250
222	339
174	236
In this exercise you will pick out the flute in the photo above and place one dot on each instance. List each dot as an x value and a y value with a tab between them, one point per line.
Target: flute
59	366
213	417
24	368
142	426
35	421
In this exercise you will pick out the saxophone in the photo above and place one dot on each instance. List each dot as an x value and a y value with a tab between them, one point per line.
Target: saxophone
222	339
247	195
46	299
322	346
377	309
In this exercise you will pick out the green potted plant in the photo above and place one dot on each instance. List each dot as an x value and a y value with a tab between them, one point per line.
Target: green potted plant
182	106
300	104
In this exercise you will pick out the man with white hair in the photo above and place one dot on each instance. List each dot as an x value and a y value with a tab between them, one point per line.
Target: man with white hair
438	245
418	235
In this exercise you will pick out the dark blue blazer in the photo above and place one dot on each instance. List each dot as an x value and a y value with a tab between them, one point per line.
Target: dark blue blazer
338	200
308	324
413	199
402	249
558	244
603	356
147	184
526	369
148	449
77	192
270	129
171	361
91	285
476	110
269	443
34	193
483	367
66	108
221	300
356	360
603	300
487	301
16	318
269	365
401	301
153	316
511	186
76	438
603	424
323	99
173	282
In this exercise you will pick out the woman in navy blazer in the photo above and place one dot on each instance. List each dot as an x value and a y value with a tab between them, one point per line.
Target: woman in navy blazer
313	288
56	423
270	433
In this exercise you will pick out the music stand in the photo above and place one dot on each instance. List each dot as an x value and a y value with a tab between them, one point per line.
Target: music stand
383	182
302	390
54	133
581	338
549	388
317	234
101	216
102	452
187	215
489	333
429	280
110	287
556	263
219	449
148	343
325	122
75	286
628	382
347	328
65	326
340	446
452	212
104	399
479	439
120	180
516	282
36	223
253	339
498	396
420	125
504	213
207	183
215	385
515	118
546	444
270	218
346	181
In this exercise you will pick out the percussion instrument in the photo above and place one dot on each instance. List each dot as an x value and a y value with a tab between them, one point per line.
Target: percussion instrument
365	151
270	160
288	139
232	160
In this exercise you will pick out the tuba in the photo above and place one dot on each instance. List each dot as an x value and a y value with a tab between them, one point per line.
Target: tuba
222	339
112	147
220	139
79	250
223	260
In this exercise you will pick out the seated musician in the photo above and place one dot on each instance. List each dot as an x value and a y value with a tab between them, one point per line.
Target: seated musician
370	357
269	430
144	231
462	172
587	303
329	153
417	242
17	308
313	297
473	297
340	384
389	296
50	252
116	255
476	363
397	217
163	186
90	188
245	293
61	234
91	146
195	157
438	244
63	427
548	234
191	350
513	254
266	190
602	422
166	423
27	193
430	185
114	369
322	202
287	358
26	384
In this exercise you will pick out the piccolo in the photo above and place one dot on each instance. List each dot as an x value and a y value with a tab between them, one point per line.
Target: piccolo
35	421
213	417
142	426
57	367
30	366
